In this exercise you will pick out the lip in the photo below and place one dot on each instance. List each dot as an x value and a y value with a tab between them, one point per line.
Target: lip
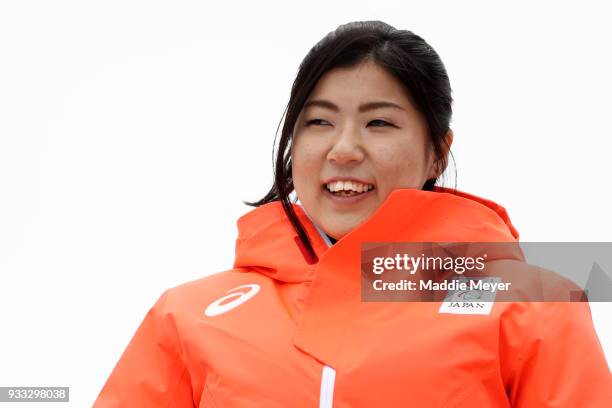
331	180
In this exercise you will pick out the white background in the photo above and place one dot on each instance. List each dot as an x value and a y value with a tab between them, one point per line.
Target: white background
130	131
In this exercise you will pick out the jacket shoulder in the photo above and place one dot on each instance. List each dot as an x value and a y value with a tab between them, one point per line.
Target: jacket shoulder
210	286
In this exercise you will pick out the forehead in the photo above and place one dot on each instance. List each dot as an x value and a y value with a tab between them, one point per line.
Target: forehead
364	82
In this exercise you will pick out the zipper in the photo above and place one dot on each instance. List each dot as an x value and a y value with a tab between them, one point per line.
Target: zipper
328	378
327	387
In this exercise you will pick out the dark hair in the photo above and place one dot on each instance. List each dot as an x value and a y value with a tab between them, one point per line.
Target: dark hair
403	54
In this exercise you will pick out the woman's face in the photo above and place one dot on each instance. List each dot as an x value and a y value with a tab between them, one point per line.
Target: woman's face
360	136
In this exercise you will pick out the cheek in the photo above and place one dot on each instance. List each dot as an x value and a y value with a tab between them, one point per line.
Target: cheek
400	165
305	165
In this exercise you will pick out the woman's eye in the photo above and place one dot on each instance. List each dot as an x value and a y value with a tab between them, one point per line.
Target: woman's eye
376	122
314	122
381	122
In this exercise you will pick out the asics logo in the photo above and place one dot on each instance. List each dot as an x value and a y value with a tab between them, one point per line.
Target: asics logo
218	307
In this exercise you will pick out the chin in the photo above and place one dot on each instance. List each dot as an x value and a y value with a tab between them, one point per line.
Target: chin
337	233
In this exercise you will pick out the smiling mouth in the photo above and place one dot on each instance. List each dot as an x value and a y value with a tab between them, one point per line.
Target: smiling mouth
348	188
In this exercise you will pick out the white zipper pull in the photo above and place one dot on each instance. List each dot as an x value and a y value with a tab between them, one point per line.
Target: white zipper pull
327	387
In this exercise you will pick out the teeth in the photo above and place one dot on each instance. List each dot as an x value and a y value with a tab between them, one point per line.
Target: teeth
336	186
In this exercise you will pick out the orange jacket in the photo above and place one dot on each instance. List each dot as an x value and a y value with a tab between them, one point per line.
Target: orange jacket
276	331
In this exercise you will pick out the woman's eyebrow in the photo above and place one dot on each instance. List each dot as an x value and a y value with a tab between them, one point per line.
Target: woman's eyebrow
363	108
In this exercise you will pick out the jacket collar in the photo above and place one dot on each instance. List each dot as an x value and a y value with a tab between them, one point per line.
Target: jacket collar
268	244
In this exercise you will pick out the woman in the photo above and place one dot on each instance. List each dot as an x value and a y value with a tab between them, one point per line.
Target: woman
365	138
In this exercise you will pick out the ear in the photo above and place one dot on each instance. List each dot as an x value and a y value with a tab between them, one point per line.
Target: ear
438	165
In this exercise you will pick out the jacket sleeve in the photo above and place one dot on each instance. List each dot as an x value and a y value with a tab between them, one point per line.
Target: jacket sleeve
560	362
150	372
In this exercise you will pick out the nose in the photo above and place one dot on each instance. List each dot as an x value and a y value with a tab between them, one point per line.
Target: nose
347	147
